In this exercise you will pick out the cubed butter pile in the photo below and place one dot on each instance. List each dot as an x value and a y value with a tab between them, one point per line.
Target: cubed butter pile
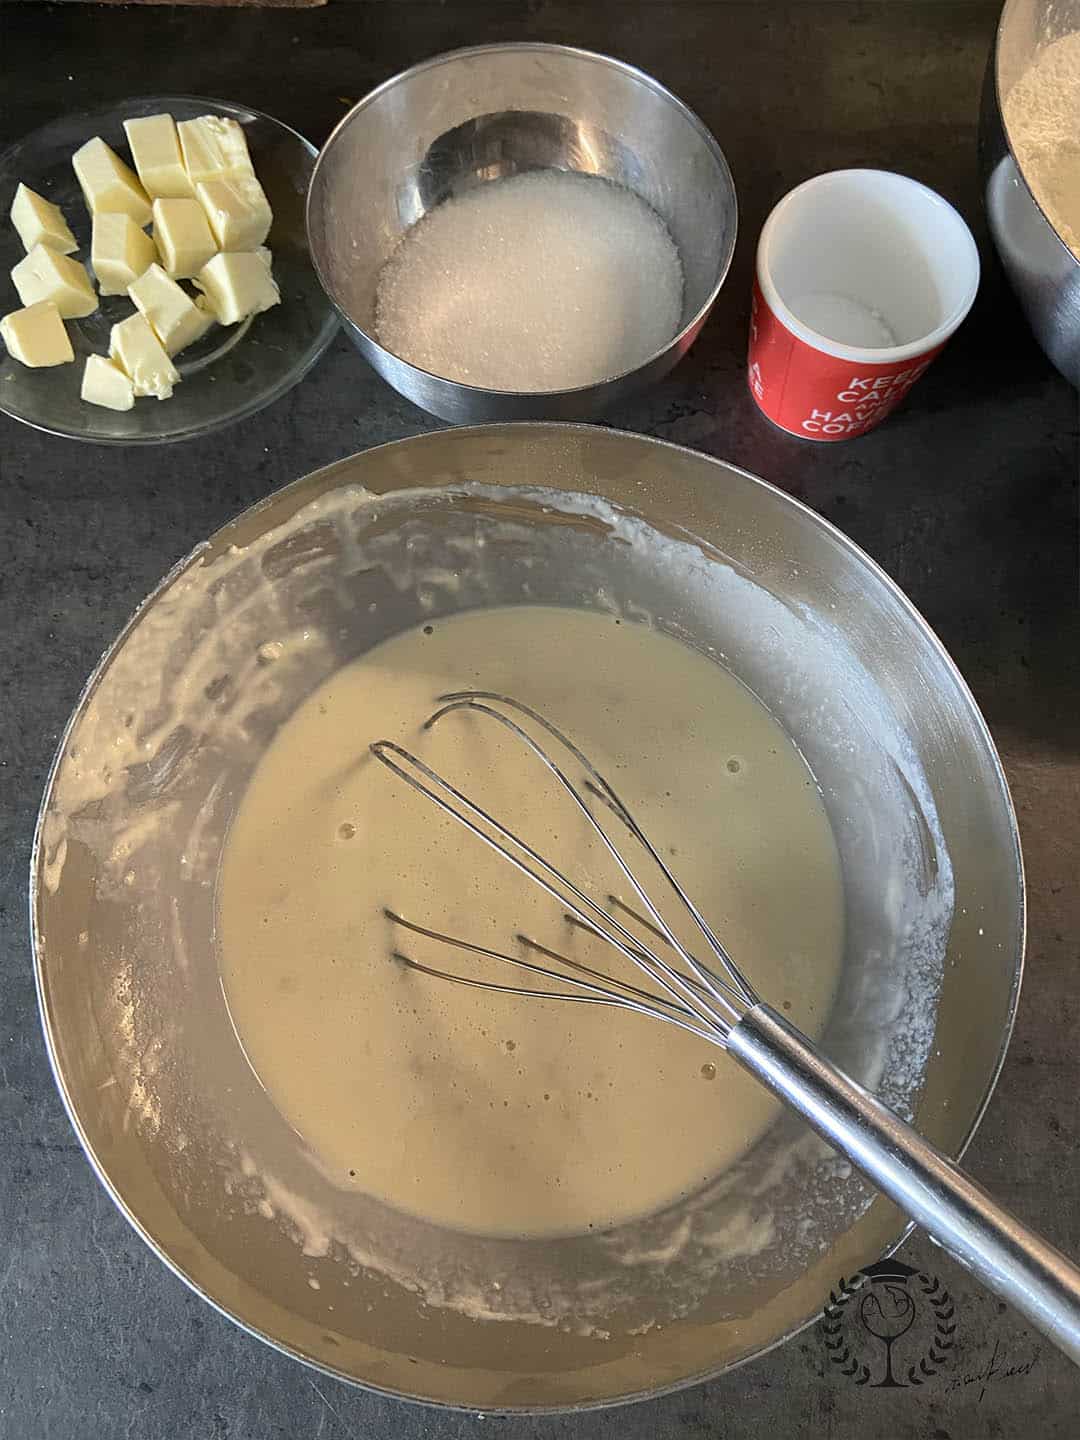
195	185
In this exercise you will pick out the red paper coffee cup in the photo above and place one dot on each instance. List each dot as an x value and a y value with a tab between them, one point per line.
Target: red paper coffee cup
862	276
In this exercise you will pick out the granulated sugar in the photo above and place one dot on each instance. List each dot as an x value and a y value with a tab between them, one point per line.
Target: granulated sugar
1042	117
544	281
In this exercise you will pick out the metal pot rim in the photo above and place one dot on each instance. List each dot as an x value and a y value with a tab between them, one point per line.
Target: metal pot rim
517	47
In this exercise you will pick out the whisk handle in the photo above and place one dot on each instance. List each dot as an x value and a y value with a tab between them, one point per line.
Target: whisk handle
1014	1262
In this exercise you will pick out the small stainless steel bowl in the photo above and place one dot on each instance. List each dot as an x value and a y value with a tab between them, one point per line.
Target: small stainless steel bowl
1042	269
463	119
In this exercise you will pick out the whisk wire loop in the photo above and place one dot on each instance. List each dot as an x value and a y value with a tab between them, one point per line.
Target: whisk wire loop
598	785
598	991
701	1001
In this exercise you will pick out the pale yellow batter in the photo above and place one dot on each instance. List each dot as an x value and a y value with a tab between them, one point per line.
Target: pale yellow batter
486	1112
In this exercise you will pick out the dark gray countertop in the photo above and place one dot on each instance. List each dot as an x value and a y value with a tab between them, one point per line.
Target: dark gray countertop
968	497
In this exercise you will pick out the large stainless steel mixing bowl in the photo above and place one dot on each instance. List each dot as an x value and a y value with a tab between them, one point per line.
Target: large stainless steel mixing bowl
472	116
160	748
1044	272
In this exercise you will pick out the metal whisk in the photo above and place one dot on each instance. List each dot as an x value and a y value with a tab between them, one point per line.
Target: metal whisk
716	1002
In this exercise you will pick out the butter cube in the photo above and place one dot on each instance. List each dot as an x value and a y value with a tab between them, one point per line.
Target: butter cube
104	383
238	211
36	335
174	317
212	147
206	321
107	183
46	275
155	148
119	252
135	346
238	284
183	236
40	222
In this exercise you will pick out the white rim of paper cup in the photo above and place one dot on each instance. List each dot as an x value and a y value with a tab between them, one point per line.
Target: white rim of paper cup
884	355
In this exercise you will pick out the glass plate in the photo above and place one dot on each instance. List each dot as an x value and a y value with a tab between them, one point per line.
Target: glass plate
233	371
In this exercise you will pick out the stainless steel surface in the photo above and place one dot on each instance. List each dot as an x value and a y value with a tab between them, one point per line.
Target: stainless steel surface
715	1002
141	1046
1044	273
1018	1265
471	116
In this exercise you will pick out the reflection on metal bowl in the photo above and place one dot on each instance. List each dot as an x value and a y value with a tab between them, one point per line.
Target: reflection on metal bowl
1044	272
155	759
473	116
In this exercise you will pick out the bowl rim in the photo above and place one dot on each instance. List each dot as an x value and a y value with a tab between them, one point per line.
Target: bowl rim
1004	20
682	336
176	571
